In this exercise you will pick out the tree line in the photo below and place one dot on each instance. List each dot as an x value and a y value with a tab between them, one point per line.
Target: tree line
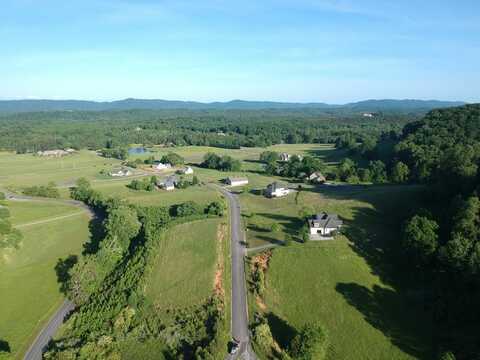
112	131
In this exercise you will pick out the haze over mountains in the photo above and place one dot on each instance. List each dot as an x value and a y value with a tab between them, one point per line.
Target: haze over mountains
154	104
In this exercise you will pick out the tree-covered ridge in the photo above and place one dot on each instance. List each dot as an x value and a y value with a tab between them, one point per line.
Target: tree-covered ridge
445	142
442	239
30	132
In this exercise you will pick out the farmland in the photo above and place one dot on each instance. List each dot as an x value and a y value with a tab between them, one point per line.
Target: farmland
184	272
29	287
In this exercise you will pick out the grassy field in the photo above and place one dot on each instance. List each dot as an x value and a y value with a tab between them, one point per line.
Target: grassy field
28	282
347	284
27	170
185	269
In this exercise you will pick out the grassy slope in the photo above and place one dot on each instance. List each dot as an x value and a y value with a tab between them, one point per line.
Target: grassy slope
347	285
28	283
184	272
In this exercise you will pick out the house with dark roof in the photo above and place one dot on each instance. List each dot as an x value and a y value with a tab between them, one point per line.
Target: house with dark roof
324	225
169	183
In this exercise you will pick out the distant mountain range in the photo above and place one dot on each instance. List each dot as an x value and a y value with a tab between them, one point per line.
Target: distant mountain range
128	104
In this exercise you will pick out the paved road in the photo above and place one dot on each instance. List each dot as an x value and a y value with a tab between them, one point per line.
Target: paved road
239	289
36	349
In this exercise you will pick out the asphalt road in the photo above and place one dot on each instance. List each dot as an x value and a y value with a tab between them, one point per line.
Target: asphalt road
36	349
239	287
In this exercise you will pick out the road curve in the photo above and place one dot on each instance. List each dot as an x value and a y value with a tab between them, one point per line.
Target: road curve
239	290
36	349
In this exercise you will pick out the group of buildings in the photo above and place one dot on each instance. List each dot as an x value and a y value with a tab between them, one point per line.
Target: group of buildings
56	153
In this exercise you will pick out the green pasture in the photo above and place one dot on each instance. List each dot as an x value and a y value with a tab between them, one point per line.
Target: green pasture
183	274
28	282
347	284
21	170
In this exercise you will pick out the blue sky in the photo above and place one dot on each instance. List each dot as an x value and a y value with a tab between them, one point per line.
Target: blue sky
332	51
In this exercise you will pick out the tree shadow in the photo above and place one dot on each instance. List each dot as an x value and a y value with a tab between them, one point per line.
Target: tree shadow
257	192
97	234
384	309
4	346
62	269
282	332
291	224
271	240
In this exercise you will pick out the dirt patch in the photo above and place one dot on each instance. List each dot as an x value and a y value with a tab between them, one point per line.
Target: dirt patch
259	263
261	260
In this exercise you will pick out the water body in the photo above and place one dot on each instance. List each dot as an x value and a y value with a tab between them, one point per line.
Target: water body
137	150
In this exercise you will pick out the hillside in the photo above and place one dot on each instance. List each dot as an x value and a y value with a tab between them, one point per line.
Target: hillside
9	106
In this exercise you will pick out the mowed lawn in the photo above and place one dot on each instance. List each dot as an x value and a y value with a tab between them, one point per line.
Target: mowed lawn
28	282
348	284
184	271
27	170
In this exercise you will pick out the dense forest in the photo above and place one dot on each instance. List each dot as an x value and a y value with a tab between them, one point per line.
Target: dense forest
31	132
442	239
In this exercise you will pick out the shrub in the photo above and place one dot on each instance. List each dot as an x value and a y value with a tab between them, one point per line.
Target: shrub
311	343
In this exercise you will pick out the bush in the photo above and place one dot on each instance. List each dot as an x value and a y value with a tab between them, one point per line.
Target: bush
173	159
311	343
215	208
2	196
188	208
4	212
48	191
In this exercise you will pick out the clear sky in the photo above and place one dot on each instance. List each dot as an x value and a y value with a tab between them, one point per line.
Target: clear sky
332	51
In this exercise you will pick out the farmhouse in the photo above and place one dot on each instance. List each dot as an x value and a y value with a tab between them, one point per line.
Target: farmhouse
236	181
316	177
161	166
187	171
324	224
120	173
169	183
276	190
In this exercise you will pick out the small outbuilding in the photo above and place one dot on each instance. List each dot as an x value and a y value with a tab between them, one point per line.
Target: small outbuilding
275	189
231	181
317	177
187	170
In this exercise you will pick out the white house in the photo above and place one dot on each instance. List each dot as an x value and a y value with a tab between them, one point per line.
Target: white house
161	166
121	172
237	181
370	115
276	190
187	171
324	224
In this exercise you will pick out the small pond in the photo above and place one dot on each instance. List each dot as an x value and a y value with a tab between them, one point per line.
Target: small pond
137	151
